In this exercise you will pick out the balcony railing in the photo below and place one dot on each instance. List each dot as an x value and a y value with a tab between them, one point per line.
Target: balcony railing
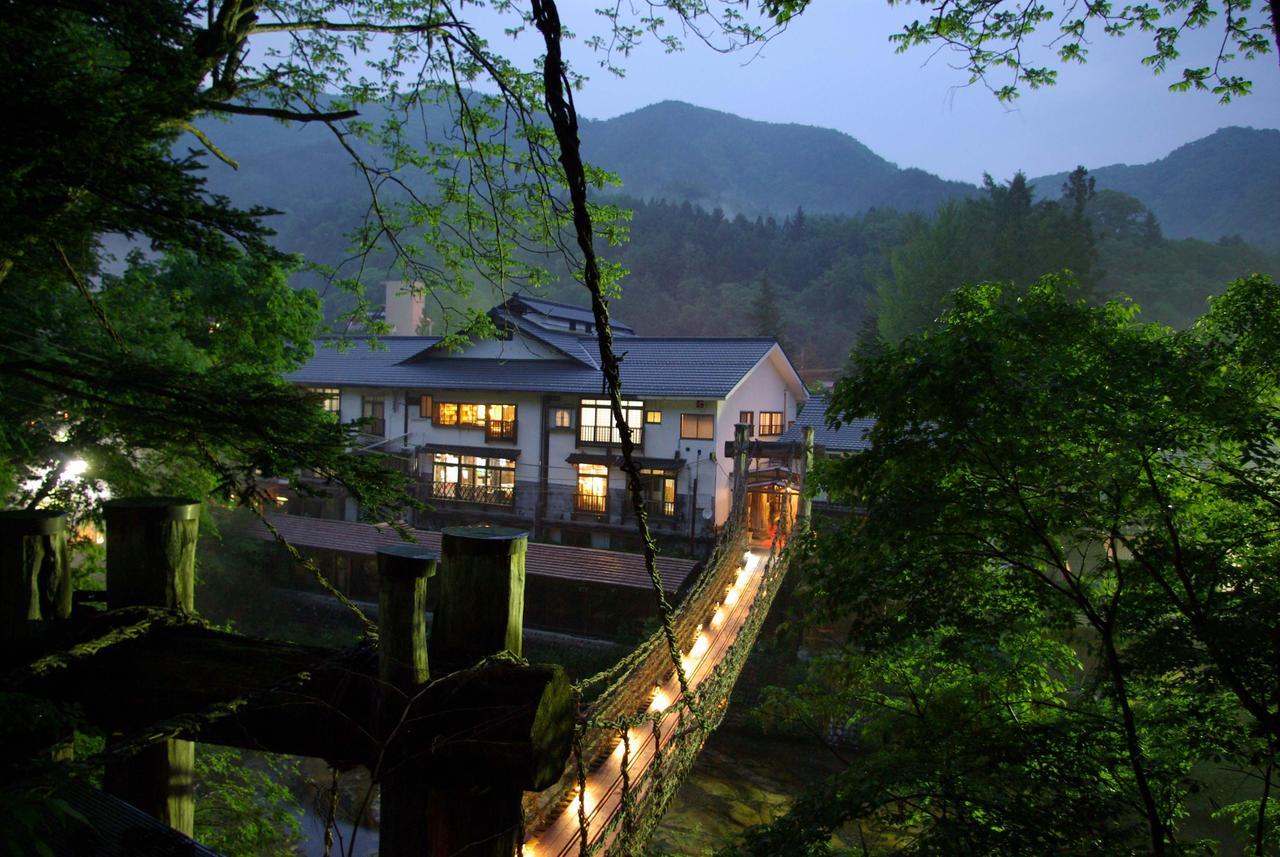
596	504
656	509
607	436
489	495
500	430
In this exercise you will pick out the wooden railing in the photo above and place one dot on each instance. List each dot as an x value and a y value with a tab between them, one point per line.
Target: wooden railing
607	436
596	504
490	495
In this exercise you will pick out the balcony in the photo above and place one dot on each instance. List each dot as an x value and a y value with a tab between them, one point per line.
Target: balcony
488	495
593	504
607	436
500	430
660	508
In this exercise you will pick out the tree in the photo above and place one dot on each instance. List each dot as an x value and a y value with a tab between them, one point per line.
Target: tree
1066	574
994	38
766	315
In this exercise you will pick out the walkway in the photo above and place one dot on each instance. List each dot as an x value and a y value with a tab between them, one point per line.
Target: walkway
602	798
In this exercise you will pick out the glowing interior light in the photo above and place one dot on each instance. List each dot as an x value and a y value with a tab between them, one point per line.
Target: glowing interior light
661	702
75	468
717	619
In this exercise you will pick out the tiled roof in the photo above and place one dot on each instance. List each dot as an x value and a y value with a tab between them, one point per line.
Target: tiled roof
584	565
567	312
658	367
849	437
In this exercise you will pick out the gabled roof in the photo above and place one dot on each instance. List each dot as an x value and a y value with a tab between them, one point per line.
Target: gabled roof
652	367
522	304
848	437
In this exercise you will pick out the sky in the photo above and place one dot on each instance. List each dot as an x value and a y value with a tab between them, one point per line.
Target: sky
835	68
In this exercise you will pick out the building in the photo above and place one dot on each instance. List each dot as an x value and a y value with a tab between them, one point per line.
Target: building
518	430
828	441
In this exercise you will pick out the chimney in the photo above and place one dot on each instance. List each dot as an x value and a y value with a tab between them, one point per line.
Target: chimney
403	307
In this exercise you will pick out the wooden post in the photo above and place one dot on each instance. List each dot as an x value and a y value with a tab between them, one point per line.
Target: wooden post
806	465
403	572
151	553
741	440
481	610
35	579
480	613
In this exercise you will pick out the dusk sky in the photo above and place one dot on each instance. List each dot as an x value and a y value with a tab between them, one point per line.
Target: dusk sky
835	68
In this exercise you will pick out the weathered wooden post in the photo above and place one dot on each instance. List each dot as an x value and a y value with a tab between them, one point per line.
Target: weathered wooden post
403	572
741	441
480	613
151	554
806	465
35	579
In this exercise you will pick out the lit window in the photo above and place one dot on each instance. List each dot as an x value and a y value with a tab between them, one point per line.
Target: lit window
424	406
748	418
470	415
697	427
446	414
473	480
653	417
595	422
770	423
562	418
659	492
593	488
328	398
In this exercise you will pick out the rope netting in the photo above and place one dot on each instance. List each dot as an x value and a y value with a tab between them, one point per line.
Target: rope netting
638	735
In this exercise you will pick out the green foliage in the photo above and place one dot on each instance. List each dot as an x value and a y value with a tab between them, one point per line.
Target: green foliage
244	806
1003	235
1066	575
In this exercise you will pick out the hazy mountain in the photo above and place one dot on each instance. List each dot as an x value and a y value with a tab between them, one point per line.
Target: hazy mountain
1222	185
679	152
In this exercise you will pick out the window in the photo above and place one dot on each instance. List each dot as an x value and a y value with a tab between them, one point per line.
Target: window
659	493
595	422
328	398
748	418
374	410
697	426
562	418
770	423
473	480
424	406
498	421
653	417
593	489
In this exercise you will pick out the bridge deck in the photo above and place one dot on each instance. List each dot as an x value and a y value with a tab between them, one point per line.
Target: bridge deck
603	797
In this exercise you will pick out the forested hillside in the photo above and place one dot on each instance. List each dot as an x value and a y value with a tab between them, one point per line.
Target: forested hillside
1223	185
847	242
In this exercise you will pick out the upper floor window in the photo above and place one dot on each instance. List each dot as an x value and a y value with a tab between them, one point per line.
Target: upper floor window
595	422
328	398
498	421
472	479
748	418
697	426
653	417
374	409
424	406
770	423
562	418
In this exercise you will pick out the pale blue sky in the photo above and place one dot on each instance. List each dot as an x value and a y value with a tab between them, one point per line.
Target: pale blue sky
835	68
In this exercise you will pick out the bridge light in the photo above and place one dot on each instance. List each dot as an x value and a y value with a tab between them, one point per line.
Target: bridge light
661	702
718	618
731	597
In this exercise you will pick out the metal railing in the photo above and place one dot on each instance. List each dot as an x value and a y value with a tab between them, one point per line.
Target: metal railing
607	436
489	495
500	430
594	503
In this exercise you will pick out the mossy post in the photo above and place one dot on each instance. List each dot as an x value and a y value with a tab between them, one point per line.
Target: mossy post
480	613
403	572
151	556
806	495
741	443
35	578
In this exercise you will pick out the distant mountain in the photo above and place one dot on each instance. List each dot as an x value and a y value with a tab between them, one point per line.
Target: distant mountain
679	152
1222	185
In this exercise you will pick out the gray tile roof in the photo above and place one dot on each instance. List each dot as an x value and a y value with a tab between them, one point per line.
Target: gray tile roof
567	312
848	437
652	367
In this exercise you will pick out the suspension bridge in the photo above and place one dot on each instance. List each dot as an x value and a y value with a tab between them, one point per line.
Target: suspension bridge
560	769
